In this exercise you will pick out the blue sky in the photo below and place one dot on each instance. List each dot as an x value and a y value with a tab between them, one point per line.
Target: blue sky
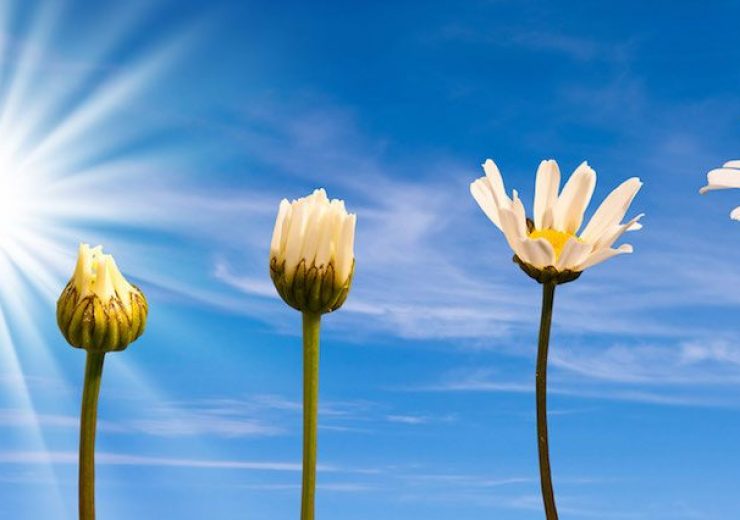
170	131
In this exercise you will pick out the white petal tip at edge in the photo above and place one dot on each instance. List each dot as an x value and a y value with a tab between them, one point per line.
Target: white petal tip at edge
636	225
722	178
547	185
496	181
735	215
574	199
483	195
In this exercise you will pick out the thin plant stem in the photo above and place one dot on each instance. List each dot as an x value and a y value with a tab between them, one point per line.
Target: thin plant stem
311	325
548	496
88	422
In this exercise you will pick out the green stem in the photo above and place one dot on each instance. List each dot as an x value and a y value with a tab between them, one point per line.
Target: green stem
311	325
88	421
548	496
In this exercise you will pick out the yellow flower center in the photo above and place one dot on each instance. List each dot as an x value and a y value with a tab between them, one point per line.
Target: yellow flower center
556	238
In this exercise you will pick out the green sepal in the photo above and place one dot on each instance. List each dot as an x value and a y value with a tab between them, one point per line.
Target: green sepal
133	329
547	274
97	326
313	288
327	287
299	286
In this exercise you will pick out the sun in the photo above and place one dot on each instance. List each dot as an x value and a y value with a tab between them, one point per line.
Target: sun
64	136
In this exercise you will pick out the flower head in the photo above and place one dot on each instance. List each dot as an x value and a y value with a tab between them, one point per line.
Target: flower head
724	178
98	309
550	247
312	253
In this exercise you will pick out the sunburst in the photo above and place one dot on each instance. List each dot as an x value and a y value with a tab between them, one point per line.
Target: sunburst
66	167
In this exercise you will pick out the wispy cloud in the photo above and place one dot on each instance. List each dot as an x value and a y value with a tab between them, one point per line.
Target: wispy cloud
622	385
261	415
423	279
119	459
693	363
162	423
416	419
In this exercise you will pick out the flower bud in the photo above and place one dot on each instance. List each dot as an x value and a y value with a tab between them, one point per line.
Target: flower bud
98	309
312	256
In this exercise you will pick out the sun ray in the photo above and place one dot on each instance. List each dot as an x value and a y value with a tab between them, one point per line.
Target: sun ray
31	54
102	104
22	400
66	171
40	110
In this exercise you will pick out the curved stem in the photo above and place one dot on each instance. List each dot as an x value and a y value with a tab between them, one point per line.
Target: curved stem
311	325
548	496
88	421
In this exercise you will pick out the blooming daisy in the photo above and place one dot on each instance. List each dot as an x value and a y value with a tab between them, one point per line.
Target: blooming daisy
552	240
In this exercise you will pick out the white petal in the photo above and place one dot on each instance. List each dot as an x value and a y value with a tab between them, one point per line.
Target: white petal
295	235
324	248
574	252
330	233
603	254
513	228
537	252
546	193
83	270
319	196
103	286
613	234
521	215
277	232
346	248
314	230
483	195
572	203
612	210
497	183
732	164
286	227
735	213
721	179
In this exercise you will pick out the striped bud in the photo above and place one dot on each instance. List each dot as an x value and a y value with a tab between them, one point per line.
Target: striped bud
312	256
99	310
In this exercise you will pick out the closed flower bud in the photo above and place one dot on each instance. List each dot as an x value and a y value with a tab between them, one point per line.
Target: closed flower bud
312	253
98	309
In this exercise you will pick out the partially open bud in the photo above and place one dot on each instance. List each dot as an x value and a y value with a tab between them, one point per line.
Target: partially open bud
312	255
98	309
